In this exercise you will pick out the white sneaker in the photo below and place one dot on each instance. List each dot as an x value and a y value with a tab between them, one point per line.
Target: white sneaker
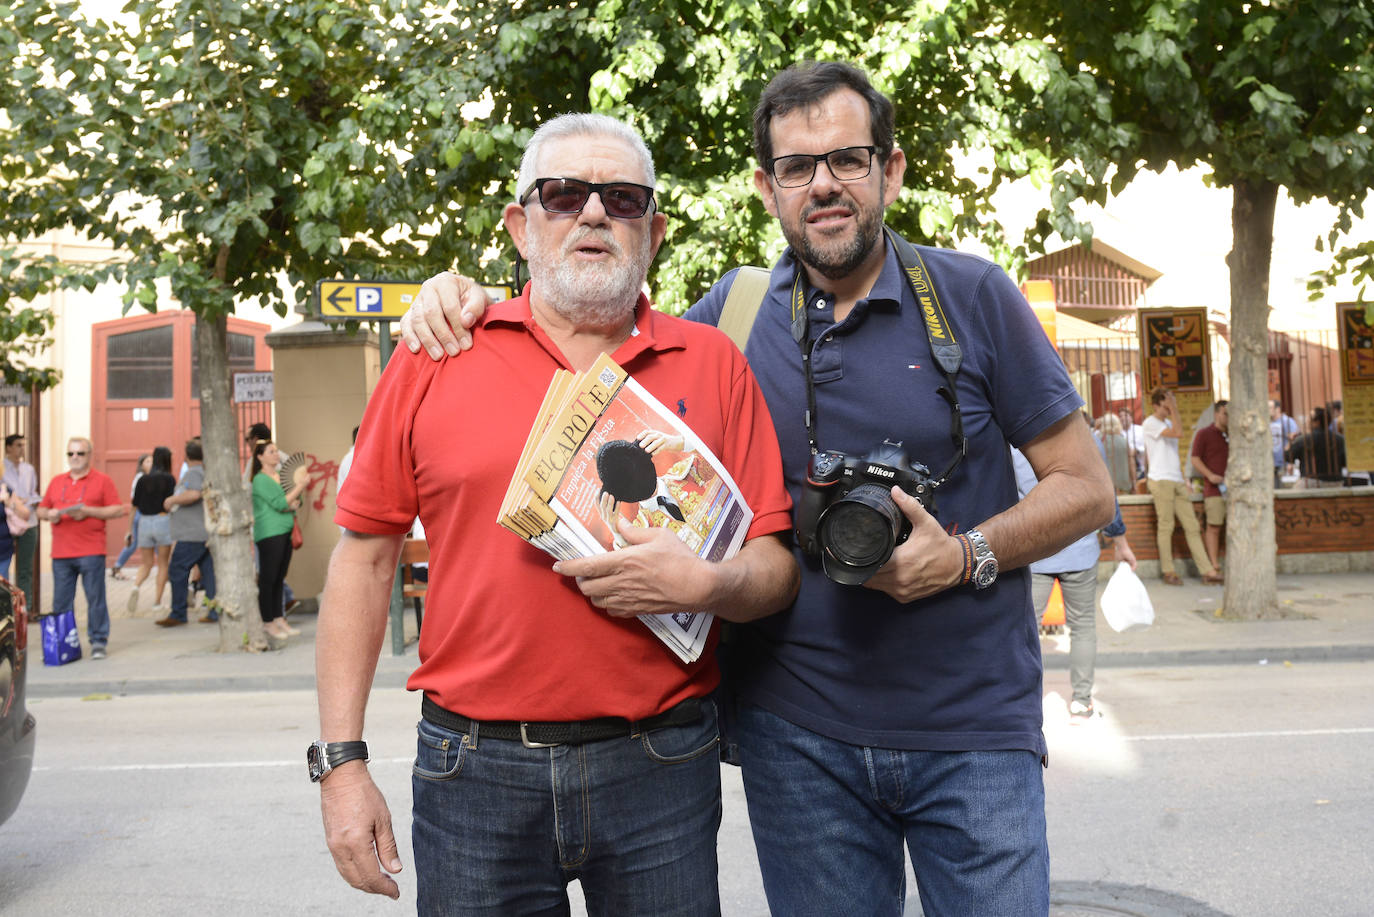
1080	712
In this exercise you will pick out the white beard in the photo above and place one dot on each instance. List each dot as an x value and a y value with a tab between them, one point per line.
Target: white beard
601	294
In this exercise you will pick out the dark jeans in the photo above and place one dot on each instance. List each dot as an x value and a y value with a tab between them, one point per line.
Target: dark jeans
25	549
185	555
91	569
274	557
502	829
132	546
829	819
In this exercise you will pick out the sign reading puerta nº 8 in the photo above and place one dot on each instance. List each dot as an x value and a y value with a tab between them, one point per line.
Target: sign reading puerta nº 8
1176	354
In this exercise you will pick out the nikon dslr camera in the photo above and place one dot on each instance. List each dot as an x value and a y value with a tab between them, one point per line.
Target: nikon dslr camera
846	515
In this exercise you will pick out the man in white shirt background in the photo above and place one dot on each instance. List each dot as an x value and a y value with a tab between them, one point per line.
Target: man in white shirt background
1170	492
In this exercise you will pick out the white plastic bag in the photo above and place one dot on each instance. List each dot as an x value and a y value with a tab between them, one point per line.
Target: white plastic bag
1125	603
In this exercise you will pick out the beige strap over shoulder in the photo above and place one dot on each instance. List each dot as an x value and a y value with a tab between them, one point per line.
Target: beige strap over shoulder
747	293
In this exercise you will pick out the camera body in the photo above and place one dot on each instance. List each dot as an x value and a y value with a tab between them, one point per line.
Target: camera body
846	515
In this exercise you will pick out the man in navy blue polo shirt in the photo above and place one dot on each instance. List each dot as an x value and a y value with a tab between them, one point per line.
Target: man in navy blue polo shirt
906	710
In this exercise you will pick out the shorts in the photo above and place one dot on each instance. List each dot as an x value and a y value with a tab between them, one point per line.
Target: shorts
1215	510
155	531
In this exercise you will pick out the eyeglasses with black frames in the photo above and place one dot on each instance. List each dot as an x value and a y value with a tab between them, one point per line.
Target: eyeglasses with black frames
796	170
74	454
621	199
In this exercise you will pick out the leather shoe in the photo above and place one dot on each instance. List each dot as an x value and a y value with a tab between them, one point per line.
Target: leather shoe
206	619
169	621
1213	579
1171	579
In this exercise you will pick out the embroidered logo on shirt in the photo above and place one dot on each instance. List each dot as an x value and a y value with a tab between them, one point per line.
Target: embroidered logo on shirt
682	407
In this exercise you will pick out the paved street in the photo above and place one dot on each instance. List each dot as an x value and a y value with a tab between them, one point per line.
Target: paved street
1243	788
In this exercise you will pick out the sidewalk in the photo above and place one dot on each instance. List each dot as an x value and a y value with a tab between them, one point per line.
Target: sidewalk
1333	620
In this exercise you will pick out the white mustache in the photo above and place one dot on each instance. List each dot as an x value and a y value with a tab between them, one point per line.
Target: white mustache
601	236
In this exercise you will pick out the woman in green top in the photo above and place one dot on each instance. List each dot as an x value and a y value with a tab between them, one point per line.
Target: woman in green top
274	512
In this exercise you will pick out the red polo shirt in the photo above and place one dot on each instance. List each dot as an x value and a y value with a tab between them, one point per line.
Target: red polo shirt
79	538
506	638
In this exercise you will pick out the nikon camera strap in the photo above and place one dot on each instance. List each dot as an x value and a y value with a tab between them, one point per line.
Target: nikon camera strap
943	345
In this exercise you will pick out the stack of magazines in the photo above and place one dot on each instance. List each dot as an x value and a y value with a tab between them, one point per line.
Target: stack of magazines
603	449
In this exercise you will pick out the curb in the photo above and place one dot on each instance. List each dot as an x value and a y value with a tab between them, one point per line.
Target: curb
1336	652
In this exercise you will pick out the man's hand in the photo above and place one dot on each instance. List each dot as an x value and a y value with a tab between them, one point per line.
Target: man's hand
655	573
654	442
448	305
78	513
1121	548
930	561
357	827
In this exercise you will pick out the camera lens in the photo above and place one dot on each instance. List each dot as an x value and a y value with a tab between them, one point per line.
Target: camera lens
859	531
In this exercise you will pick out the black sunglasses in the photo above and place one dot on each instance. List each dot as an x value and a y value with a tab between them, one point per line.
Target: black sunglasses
74	454
623	200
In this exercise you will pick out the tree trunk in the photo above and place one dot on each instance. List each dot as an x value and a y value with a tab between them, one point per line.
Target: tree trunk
228	506
1251	590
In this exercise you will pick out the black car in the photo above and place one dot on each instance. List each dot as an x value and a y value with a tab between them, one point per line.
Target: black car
17	726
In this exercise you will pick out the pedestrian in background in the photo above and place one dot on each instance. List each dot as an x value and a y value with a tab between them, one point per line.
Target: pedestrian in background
1075	568
154	535
1319	453
1170	492
76	504
22	480
1282	431
145	465
274	514
1117	452
1211	450
17	509
187	525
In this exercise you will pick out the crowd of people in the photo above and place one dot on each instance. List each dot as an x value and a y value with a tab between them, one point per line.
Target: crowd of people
168	532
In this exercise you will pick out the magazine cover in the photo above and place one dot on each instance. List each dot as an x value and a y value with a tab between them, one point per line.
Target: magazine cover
615	452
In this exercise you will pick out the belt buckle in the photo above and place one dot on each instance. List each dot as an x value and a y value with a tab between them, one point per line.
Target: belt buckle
525	740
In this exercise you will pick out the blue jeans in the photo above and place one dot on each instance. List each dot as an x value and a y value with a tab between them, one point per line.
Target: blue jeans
829	820
185	555
132	546
91	569
502	829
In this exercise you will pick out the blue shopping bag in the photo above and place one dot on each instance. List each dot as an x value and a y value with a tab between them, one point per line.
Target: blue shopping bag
61	641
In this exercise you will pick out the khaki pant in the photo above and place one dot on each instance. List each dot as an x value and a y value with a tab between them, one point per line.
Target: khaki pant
1172	503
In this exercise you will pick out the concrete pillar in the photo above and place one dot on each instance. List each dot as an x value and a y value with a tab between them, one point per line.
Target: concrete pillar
322	378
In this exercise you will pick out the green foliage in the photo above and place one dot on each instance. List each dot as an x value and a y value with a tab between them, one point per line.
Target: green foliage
224	145
1273	92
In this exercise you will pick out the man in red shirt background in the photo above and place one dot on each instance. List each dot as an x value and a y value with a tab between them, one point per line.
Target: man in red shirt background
1210	452
76	504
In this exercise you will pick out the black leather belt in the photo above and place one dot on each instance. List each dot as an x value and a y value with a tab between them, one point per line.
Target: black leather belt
546	735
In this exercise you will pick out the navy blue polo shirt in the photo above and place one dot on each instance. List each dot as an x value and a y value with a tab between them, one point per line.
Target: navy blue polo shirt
958	671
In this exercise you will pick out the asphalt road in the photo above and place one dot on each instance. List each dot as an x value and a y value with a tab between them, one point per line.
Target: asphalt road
1241	789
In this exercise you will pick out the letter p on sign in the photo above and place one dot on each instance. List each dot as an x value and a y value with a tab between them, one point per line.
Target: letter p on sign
369	299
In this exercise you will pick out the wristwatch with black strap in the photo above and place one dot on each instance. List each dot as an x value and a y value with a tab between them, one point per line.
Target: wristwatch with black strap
980	564
322	757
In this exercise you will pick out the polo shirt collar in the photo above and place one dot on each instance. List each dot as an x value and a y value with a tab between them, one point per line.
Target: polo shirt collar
653	332
889	289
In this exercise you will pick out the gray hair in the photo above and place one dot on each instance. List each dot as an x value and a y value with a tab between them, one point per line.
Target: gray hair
580	125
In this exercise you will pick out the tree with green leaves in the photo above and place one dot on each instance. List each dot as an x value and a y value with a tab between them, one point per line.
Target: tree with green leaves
1268	96
218	147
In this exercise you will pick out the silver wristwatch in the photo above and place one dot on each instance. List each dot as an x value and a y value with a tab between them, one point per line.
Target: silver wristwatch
984	561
